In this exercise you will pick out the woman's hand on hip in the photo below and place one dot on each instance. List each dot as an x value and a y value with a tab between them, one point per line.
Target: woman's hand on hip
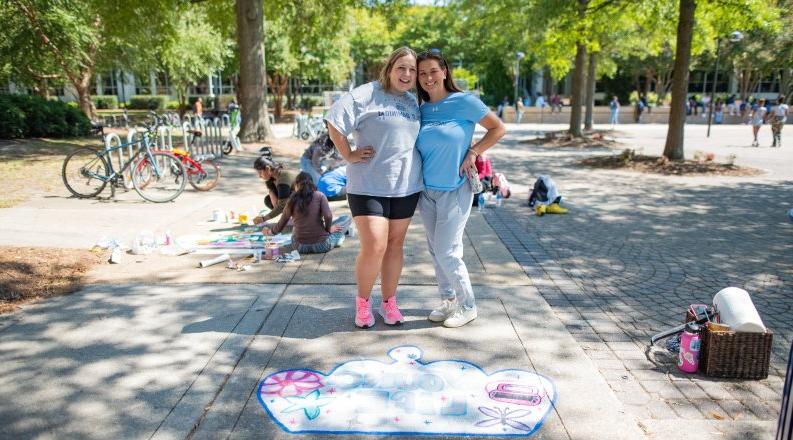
363	154
469	164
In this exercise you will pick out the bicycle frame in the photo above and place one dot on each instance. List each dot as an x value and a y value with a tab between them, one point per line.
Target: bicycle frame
113	174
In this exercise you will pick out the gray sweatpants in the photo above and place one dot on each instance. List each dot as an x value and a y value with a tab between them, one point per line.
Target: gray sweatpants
444	214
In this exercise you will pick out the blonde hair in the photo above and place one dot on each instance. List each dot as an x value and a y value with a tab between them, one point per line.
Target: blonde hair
385	73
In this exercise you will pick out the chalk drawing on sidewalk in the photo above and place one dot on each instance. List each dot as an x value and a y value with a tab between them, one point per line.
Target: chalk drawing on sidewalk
408	396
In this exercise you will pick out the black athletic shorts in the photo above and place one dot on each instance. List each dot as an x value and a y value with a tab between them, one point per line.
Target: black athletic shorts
392	208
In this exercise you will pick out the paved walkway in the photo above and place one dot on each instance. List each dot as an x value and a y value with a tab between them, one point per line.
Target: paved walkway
158	348
636	250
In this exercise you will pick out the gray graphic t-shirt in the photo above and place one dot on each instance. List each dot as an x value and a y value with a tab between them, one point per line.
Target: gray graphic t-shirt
389	123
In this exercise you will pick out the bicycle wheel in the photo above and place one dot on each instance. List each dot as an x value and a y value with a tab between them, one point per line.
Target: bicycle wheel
85	173
160	179
204	178
227	148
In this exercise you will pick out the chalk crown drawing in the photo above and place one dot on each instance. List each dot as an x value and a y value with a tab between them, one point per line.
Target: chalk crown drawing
408	396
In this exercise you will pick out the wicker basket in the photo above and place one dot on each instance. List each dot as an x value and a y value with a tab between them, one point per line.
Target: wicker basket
734	355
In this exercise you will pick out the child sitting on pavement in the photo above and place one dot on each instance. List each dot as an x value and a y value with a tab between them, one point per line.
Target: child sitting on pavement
313	231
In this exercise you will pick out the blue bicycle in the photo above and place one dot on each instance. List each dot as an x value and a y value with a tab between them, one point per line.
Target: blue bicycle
157	176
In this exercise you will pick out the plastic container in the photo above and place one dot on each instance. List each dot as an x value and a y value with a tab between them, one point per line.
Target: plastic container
690	343
499	199
481	201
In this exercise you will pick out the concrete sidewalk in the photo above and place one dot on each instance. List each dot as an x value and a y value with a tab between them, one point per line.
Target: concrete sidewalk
157	348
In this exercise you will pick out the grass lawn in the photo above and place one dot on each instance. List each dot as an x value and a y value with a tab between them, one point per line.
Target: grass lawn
33	166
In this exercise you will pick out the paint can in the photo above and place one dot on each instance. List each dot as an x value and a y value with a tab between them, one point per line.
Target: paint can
257	256
271	251
217	215
243	218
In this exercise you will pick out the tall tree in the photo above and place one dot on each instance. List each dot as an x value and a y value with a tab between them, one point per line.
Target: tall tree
252	86
591	75
79	35
673	149
194	50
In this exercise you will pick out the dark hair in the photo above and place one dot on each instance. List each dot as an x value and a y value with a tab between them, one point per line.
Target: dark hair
264	163
302	192
780	99
385	72
448	83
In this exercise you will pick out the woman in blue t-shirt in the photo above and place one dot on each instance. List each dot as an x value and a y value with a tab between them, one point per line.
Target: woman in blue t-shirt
448	118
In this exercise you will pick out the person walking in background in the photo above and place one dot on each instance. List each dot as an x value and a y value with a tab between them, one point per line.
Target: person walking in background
779	114
638	109
384	180
718	111
540	101
198	108
520	109
758	118
731	108
504	104
448	119
614	108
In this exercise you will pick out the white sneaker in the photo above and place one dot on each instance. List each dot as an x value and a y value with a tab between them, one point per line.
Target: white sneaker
460	317
445	310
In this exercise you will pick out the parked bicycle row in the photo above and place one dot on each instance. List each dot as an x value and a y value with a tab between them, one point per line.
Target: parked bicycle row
148	162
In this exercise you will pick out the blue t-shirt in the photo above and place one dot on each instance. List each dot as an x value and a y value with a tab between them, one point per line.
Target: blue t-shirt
333	182
447	127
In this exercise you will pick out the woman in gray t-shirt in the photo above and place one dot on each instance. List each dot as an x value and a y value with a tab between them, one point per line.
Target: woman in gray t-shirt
384	177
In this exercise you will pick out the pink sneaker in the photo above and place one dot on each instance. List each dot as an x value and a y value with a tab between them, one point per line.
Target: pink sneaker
390	312
363	313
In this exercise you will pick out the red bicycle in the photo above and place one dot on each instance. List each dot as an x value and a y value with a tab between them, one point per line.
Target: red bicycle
202	173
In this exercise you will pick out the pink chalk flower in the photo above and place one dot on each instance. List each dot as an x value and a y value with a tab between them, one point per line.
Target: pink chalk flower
291	383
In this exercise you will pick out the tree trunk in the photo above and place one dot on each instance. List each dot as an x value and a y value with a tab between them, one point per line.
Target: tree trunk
290	94
278	83
253	90
590	91
787	82
579	72
673	150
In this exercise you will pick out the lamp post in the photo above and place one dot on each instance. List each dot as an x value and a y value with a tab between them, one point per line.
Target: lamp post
519	56
734	38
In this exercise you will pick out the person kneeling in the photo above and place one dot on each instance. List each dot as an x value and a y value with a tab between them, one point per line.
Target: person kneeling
313	232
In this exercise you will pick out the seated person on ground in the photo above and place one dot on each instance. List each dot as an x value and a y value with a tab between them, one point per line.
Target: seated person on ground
333	184
320	151
485	170
313	231
279	186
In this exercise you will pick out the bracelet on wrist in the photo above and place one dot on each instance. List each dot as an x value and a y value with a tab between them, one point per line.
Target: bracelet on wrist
476	153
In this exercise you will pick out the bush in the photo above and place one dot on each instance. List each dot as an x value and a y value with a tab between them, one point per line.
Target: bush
109	102
33	116
148	102
12	119
311	101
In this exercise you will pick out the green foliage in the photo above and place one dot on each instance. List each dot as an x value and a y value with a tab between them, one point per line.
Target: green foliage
372	39
12	119
195	49
148	102
105	102
465	79
33	116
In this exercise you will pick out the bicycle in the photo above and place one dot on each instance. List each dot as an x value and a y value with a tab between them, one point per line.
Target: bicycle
202	172
157	176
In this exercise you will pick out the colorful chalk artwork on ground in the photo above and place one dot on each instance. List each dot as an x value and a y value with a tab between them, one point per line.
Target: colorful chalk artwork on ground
408	396
245	240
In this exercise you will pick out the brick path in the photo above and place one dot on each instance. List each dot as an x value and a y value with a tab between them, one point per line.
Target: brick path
630	256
